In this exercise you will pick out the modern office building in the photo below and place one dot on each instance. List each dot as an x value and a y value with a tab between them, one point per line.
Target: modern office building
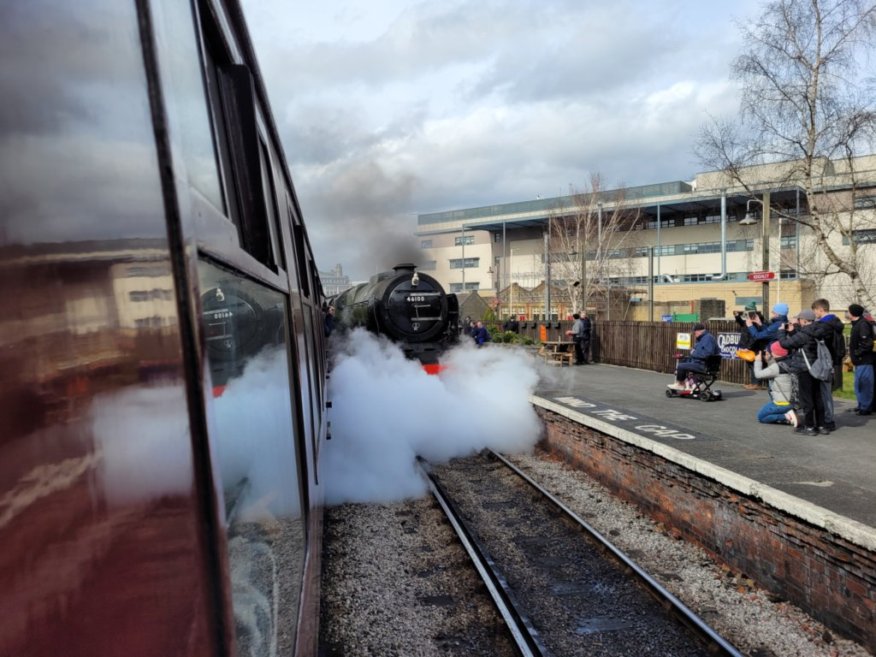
670	249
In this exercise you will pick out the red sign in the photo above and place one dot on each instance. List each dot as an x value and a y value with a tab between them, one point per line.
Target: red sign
761	275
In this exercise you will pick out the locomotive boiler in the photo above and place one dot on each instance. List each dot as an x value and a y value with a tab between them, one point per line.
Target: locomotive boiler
409	308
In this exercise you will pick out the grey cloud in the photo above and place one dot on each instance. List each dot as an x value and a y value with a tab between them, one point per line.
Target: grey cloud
359	215
324	132
480	102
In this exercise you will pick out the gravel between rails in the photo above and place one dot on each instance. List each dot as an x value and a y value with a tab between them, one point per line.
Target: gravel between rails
395	582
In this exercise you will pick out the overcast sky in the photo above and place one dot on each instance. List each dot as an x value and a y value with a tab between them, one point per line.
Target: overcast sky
391	108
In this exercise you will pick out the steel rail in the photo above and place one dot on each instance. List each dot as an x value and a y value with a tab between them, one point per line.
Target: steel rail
657	589
525	636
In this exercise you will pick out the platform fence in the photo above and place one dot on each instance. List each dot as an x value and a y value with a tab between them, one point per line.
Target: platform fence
643	345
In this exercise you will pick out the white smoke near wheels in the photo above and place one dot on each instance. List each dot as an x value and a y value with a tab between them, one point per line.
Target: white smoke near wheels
386	411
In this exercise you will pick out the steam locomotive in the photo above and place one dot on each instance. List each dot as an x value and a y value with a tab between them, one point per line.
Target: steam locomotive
409	308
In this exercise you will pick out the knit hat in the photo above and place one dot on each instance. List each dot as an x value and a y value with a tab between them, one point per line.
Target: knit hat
808	315
751	307
699	327
780	309
778	350
856	310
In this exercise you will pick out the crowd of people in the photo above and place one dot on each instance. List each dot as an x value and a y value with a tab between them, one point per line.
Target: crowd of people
801	362
798	360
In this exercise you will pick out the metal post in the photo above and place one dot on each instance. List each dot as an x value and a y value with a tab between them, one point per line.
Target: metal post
582	246
797	238
779	264
723	234
511	281
462	239
658	240
547	275
765	239
504	260
650	283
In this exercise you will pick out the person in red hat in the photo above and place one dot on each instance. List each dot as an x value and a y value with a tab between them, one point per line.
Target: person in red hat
769	366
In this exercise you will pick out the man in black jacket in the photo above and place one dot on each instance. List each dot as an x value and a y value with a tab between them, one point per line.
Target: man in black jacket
799	341
836	345
861	353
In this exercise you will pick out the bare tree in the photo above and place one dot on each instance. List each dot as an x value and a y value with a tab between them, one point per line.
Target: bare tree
588	238
804	105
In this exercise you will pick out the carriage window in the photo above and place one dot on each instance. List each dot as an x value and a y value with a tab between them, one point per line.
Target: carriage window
213	79
253	434
186	99
270	195
231	90
301	261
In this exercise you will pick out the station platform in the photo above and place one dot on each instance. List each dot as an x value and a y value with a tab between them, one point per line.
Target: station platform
829	481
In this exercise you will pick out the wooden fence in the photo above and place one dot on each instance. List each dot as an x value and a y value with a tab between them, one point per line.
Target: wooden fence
645	345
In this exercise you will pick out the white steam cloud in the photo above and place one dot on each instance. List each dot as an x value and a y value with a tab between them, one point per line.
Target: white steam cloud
386	410
142	435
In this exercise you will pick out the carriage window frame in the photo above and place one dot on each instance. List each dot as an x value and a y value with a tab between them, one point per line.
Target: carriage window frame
244	160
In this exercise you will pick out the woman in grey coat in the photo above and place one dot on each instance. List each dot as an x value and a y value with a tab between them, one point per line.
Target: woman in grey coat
780	408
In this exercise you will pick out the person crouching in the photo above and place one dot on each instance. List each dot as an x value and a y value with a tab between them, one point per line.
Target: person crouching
770	366
705	345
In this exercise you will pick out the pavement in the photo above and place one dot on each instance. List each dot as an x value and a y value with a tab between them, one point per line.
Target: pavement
827	480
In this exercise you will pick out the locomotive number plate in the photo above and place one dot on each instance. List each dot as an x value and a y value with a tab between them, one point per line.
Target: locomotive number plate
416	299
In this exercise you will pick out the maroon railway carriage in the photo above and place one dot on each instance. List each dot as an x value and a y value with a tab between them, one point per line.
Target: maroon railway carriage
161	352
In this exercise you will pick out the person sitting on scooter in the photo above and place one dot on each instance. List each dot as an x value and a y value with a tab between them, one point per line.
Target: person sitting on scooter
705	345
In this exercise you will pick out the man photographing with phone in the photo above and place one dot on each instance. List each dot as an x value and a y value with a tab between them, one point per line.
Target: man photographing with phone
760	336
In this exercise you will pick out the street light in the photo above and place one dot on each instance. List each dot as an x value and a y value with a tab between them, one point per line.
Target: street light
749	220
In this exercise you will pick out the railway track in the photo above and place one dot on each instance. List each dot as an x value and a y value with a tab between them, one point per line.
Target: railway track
561	587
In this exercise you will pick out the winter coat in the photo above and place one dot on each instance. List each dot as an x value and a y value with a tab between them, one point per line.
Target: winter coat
836	342
780	382
705	346
804	339
861	342
765	335
480	335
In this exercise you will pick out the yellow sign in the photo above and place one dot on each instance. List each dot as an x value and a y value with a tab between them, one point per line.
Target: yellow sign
682	341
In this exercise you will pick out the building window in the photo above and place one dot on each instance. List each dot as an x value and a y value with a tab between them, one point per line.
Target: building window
867	236
429	265
467	263
865	203
425	244
460	241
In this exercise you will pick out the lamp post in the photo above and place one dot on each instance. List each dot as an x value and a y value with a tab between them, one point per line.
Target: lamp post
547	274
749	220
511	282
462	240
